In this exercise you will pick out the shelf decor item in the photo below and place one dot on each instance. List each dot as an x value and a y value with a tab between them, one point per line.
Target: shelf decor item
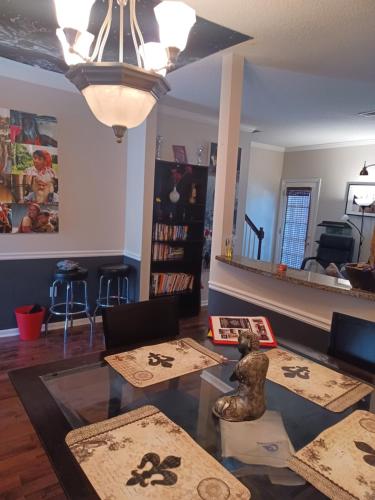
180	154
121	95
177	233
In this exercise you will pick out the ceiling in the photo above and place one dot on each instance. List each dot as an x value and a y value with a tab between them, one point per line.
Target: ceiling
27	33
309	69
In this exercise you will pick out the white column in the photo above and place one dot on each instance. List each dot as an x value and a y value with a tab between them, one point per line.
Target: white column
139	198
228	141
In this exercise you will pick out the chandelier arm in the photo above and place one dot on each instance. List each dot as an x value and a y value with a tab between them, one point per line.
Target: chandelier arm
140	36
105	37
107	19
132	5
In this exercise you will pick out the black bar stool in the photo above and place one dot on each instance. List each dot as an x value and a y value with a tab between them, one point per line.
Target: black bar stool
107	297
75	282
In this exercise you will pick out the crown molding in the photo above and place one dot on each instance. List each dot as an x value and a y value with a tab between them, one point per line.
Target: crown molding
268	147
59	255
331	145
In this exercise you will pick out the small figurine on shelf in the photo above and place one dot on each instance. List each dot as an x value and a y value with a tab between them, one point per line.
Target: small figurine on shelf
199	154
229	248
193	197
159	141
248	402
174	195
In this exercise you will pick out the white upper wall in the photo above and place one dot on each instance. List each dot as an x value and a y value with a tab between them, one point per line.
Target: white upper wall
336	167
263	192
92	172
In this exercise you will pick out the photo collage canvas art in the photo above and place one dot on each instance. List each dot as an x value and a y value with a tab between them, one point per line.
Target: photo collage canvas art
29	173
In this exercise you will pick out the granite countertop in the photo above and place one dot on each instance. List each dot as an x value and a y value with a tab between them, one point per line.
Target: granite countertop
304	278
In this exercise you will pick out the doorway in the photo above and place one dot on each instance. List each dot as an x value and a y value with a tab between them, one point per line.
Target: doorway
297	220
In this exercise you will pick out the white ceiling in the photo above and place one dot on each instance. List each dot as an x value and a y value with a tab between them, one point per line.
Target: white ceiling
309	70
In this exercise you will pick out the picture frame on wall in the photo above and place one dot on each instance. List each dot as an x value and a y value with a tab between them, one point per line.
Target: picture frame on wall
180	155
29	173
360	194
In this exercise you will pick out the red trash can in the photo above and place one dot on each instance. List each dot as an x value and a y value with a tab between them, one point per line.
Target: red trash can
29	325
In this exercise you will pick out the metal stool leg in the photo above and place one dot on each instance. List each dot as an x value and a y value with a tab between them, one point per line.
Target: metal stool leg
87	311
67	300
71	304
127	289
49	316
99	297
108	290
118	290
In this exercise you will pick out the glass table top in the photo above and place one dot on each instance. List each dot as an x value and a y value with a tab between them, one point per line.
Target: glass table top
95	392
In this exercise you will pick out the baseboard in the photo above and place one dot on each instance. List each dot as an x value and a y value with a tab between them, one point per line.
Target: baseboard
58	325
278	307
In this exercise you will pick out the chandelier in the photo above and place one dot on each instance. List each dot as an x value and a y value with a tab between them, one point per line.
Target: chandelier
121	95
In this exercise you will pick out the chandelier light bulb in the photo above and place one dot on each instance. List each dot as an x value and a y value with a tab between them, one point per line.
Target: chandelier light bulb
74	14
155	57
175	21
80	50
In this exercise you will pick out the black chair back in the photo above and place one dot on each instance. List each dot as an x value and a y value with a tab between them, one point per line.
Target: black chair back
140	322
332	248
353	340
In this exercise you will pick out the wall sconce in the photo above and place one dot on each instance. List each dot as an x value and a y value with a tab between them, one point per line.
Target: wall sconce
365	167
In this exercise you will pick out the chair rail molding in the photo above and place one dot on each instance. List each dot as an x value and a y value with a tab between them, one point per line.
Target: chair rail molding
279	307
59	254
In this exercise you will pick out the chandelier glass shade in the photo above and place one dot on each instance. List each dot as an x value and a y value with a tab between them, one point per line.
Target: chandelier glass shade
121	95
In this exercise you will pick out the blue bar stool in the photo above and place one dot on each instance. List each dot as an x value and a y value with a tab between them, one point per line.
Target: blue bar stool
75	283
113	286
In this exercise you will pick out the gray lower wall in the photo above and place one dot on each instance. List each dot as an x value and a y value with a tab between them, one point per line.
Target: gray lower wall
283	326
24	282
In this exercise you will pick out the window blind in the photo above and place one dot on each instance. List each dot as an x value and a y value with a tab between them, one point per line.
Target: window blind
295	226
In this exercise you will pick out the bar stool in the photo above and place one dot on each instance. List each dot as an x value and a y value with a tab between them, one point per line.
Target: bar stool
109	273
75	283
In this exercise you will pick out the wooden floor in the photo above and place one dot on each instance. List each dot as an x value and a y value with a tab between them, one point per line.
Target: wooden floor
25	471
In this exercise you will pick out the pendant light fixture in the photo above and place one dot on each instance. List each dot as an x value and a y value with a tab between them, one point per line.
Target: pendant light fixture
121	95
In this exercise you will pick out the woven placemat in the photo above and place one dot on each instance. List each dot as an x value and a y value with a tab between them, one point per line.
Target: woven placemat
156	363
323	386
340	462
143	454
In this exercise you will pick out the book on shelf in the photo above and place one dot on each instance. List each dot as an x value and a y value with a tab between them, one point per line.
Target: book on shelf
225	329
167	232
164	283
163	252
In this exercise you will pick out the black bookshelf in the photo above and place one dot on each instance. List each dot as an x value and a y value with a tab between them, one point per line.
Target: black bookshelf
178	233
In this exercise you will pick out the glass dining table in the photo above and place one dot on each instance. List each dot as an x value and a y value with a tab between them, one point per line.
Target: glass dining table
72	393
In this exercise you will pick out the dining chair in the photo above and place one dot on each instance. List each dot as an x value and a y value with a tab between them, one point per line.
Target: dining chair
353	340
140	322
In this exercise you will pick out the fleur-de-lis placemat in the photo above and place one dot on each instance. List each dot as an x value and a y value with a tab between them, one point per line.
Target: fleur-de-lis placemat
142	454
315	382
340	462
156	363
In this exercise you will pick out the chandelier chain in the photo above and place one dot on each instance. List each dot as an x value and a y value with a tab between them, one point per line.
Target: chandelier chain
121	34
